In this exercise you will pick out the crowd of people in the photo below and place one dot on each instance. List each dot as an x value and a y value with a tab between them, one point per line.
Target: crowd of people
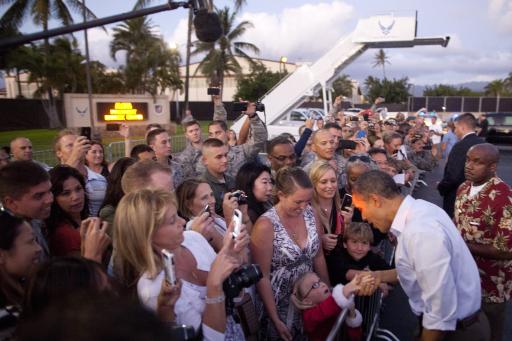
86	234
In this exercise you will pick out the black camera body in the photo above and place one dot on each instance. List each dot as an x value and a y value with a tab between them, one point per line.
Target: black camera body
240	196
244	277
242	106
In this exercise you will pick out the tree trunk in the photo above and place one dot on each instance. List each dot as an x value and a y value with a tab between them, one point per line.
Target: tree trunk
51	107
18	82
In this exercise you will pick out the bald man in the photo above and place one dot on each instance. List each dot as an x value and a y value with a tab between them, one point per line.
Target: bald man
324	146
483	215
453	177
21	150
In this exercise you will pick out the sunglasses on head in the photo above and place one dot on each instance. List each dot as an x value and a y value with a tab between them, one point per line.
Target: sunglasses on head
363	158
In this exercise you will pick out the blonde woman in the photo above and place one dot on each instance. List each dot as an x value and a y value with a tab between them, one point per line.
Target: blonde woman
327	204
147	222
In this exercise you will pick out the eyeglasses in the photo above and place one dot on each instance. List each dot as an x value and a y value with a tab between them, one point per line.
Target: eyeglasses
315	285
363	158
283	158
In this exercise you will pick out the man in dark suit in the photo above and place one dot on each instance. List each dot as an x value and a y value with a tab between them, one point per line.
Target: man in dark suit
465	126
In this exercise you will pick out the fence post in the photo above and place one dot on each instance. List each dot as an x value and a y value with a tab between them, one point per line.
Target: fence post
109	152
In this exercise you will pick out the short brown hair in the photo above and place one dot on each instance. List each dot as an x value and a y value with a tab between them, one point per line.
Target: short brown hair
358	231
138	175
190	123
152	135
212	143
17	177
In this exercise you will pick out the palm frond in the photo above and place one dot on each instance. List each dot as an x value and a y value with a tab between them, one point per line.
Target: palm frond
13	17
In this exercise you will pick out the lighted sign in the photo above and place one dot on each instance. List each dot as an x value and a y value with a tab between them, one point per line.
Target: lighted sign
122	111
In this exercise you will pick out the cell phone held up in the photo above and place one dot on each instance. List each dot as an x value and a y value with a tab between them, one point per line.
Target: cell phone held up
169	267
346	202
86	131
213	91
206	209
237	219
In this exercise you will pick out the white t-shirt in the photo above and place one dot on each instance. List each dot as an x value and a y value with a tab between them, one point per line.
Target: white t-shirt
436	128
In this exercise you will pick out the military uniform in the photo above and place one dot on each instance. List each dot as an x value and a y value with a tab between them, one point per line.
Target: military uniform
219	188
341	163
240	154
190	160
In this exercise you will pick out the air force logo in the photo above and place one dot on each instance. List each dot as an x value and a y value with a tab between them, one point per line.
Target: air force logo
386	28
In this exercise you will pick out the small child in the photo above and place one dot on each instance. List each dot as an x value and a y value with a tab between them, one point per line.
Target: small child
321	307
355	256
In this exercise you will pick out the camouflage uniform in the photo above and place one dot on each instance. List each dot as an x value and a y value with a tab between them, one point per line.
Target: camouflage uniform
240	154
219	188
423	160
341	163
176	171
190	160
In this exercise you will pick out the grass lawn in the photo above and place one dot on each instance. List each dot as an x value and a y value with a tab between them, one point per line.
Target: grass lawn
42	139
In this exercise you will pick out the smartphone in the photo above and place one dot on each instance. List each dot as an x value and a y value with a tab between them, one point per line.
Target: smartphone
347	144
86	131
206	209
347	201
213	91
113	126
354	118
170	273
237	218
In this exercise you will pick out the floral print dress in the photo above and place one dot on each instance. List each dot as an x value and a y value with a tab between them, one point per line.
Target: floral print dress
288	263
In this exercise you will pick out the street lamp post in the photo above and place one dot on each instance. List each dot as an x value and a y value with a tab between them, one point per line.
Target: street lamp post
282	63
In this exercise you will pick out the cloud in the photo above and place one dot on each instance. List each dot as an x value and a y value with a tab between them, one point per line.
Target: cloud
435	64
99	47
500	12
303	32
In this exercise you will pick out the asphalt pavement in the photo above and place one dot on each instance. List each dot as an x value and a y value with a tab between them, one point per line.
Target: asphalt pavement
396	315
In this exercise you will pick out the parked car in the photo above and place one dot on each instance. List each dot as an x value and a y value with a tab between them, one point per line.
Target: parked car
500	127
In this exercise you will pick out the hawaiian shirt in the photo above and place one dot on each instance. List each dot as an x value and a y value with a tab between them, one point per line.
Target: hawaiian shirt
486	218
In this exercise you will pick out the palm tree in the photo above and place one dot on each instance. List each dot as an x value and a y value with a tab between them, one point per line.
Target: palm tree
342	86
132	36
381	58
495	88
220	55
150	65
42	11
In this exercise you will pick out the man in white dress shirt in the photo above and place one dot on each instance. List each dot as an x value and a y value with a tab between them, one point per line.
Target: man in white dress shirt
433	264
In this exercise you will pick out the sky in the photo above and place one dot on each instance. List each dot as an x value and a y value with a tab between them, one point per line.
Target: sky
480	48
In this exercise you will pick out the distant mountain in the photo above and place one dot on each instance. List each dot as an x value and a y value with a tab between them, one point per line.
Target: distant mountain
417	90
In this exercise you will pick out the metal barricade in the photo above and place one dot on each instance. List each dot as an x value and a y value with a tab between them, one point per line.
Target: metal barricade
46	156
335	331
369	306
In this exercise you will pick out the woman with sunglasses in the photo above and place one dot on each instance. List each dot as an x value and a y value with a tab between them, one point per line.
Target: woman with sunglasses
19	253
